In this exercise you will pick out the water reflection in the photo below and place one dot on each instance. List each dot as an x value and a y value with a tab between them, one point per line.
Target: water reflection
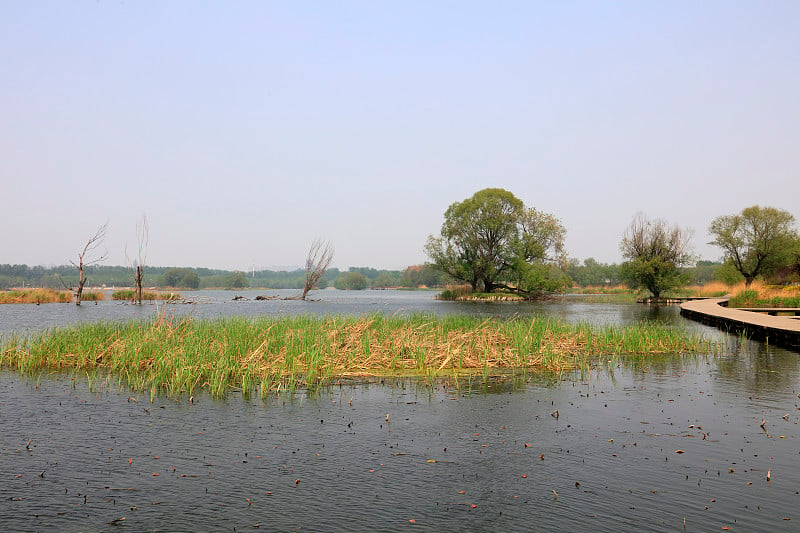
489	456
758	368
591	450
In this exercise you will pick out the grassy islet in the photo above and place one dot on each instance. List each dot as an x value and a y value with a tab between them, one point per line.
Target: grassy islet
185	355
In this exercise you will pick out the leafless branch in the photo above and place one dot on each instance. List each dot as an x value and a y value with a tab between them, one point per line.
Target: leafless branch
318	260
142	239
91	245
85	259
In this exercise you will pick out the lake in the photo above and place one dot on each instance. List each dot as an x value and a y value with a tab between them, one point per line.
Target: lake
670	445
213	304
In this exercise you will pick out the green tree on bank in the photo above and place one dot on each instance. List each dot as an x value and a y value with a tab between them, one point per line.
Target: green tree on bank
180	277
592	272
237	280
492	241
759	241
657	254
352	281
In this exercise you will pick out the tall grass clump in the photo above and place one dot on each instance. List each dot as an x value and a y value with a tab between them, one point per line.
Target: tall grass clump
184	355
712	289
130	294
92	296
743	296
761	296
34	296
455	292
603	289
465	293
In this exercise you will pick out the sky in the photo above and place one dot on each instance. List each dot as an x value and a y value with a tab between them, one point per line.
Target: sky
245	130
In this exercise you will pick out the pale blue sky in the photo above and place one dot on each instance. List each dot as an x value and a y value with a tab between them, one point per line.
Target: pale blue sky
245	130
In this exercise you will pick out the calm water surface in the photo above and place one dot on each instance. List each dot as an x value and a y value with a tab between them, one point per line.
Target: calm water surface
26	318
596	451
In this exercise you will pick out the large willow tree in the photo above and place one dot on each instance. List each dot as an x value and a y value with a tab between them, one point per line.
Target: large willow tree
758	241
656	254
492	241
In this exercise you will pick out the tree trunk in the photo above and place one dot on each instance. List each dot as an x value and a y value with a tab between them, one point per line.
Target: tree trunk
139	275
83	262
81	283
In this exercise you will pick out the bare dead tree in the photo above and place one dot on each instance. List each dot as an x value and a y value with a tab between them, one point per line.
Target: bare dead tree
85	259
138	264
318	260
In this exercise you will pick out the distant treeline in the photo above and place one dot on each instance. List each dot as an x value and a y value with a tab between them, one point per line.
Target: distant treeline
59	277
594	273
588	273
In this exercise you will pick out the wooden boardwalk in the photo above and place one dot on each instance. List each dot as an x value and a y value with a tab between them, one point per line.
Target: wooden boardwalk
760	325
669	301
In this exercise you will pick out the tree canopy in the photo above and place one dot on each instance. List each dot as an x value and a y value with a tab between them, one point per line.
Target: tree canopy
757	241
352	281
237	280
180	277
492	241
593	272
656	253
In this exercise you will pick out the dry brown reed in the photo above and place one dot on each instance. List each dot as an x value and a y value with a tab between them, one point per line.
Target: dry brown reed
764	291
34	296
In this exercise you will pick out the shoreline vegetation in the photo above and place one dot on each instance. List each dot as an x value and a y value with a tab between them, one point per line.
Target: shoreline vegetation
130	294
183	356
44	296
757	295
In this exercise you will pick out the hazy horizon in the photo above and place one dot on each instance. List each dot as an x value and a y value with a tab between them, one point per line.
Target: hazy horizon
246	130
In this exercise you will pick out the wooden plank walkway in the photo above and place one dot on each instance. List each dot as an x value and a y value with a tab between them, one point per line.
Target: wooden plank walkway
774	311
779	330
669	301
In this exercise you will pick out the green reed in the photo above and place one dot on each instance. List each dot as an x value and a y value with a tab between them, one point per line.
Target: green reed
752	298
130	294
255	356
